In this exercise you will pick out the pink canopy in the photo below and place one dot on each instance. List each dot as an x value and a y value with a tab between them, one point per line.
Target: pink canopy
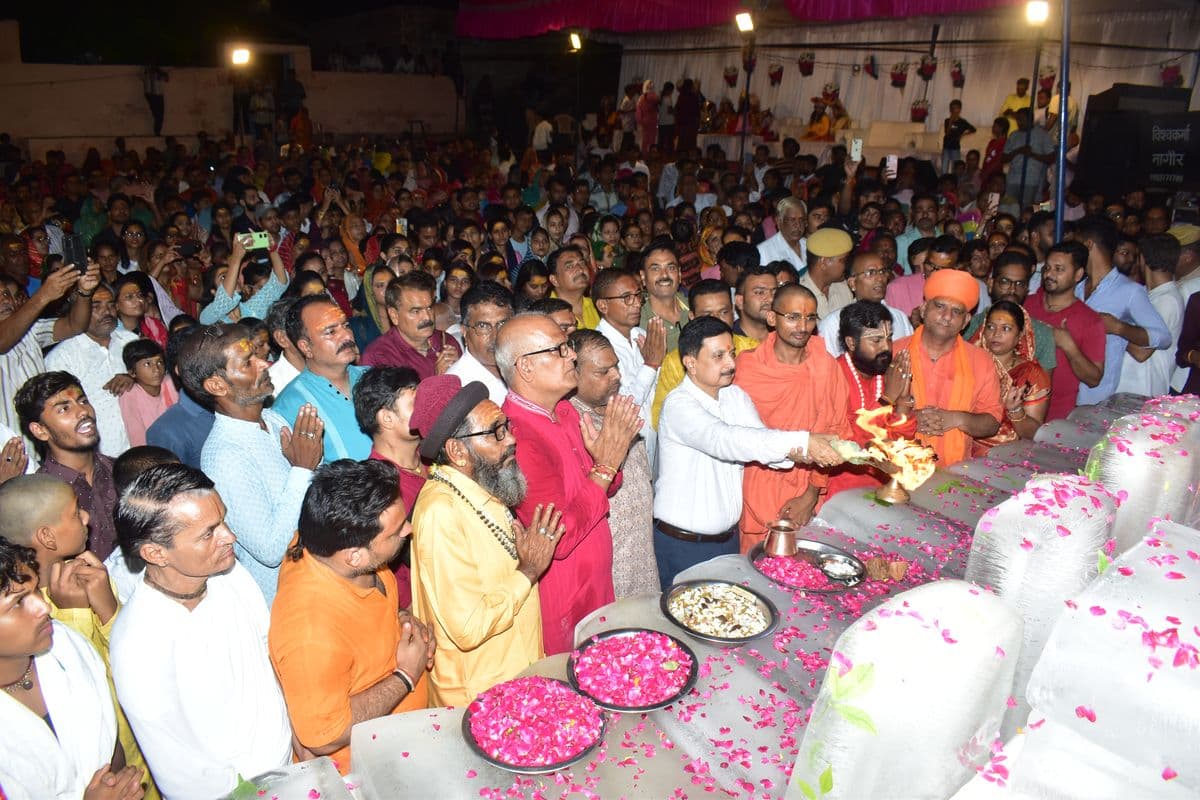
513	19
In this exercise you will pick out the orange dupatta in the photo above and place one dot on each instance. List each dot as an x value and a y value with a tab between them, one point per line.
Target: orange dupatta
954	444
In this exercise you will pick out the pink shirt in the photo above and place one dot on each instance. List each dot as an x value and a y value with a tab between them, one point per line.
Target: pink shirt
555	462
139	409
906	293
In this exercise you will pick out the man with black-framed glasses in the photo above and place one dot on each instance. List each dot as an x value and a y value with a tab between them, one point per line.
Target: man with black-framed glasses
485	309
474	567
574	466
640	351
868	280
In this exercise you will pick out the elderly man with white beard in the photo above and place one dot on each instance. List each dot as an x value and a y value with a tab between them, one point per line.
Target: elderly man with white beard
475	568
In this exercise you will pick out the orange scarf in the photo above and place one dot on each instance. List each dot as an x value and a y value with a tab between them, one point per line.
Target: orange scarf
955	444
357	262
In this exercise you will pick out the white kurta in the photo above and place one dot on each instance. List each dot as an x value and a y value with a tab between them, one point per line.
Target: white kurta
777	249
95	365
37	764
469	368
638	379
198	687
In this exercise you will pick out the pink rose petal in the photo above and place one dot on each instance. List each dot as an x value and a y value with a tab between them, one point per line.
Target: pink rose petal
1169	774
1084	712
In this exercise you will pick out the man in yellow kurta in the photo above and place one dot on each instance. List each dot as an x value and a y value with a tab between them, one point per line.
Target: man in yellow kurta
708	298
42	512
474	566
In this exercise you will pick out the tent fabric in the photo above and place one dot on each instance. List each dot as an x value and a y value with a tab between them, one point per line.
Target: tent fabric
513	19
842	10
991	69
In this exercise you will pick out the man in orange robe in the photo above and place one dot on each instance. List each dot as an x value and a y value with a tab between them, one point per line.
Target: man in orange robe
795	385
955	385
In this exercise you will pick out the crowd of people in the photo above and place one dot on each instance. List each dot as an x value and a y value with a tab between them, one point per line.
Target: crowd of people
315	436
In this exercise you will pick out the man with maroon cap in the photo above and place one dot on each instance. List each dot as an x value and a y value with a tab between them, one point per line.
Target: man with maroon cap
956	385
473	565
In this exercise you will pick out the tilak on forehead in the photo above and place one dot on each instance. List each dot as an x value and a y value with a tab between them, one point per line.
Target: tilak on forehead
882	330
331	316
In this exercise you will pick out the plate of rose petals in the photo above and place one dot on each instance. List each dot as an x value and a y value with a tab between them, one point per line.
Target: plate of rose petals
816	567
632	670
533	725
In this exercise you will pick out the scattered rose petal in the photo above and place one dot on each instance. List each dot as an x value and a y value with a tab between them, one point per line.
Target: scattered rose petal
1169	774
1084	712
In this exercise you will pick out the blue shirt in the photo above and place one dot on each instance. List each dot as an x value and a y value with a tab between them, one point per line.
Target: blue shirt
1130	303
257	306
343	437
182	429
262	492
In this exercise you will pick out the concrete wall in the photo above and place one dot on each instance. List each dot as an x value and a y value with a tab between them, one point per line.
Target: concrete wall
69	107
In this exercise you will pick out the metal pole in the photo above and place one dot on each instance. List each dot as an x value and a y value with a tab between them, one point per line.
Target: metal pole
1033	83
749	56
1064	91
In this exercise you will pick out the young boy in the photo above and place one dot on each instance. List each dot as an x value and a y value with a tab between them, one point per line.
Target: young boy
41	512
150	395
953	129
383	403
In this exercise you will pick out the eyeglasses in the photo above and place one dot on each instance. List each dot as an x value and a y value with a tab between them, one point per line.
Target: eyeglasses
796	318
499	430
1002	281
487	328
135	234
870	273
629	298
563	349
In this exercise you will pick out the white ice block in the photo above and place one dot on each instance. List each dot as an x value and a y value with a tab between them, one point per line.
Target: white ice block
1121	668
913	697
1036	550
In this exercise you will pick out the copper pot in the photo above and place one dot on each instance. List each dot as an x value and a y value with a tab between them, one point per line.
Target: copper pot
781	538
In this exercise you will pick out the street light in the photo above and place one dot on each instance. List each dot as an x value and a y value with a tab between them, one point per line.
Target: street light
576	42
1037	12
745	26
239	56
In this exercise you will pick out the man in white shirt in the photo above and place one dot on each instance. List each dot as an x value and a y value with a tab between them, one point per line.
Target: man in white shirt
485	308
1148	371
290	363
868	281
557	194
640	351
709	429
189	649
788	244
94	357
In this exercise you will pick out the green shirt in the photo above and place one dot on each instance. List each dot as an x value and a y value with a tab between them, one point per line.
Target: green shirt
673	328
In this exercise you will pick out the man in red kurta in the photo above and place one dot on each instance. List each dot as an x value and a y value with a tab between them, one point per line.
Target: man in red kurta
874	380
795	385
955	385
575	468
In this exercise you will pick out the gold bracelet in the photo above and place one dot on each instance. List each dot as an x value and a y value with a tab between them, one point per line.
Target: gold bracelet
604	472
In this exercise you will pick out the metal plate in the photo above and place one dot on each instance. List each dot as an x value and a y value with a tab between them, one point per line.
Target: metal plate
765	605
814	553
630	632
537	770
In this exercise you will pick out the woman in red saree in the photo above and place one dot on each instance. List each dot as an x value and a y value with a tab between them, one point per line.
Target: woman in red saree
1007	333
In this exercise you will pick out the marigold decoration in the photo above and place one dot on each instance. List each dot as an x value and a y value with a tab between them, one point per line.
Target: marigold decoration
920	110
871	66
807	61
900	75
957	77
731	74
775	73
1046	76
1172	74
927	67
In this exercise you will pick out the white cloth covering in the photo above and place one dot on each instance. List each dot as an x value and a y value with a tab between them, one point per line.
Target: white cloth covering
37	764
198	687
703	446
